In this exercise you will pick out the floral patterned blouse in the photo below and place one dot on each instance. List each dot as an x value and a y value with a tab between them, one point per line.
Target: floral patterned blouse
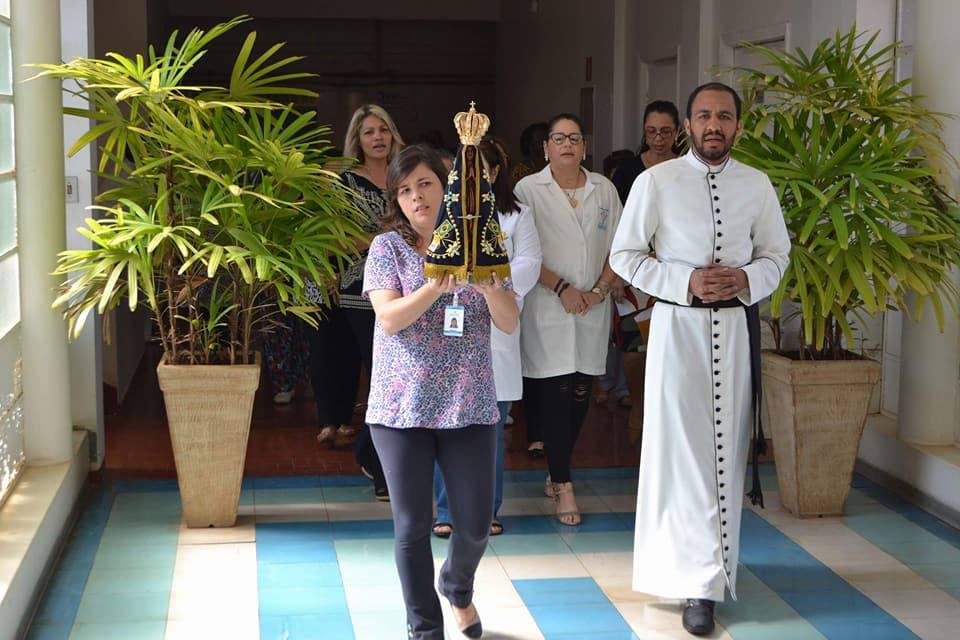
420	377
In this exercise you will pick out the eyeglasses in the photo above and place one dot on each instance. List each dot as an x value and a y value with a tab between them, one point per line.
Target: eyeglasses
558	138
663	132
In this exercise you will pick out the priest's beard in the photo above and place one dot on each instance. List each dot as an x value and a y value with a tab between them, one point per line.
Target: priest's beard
713	154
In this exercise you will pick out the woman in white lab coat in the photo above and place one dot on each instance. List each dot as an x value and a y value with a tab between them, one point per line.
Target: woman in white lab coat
566	320
523	249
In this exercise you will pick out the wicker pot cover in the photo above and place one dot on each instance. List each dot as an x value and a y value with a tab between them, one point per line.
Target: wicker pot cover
816	411
209	408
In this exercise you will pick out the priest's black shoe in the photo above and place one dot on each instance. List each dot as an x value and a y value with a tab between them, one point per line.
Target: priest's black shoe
698	616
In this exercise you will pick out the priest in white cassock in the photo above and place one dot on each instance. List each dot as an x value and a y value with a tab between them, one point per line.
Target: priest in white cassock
705	236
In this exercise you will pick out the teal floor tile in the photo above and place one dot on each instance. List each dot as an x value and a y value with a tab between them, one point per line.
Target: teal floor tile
595	635
50	631
135	580
140	536
301	600
363	550
307	495
945	575
332	626
148	630
296	552
349	494
560	591
528	544
577	620
608	486
122	607
305	574
130	557
925	551
763	619
523	489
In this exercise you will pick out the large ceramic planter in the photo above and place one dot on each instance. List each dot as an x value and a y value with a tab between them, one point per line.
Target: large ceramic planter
209	408
816	411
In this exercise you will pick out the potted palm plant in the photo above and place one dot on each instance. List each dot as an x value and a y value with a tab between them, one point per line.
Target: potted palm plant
220	212
856	162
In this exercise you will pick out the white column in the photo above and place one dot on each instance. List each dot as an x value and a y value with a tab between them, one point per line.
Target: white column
41	214
930	360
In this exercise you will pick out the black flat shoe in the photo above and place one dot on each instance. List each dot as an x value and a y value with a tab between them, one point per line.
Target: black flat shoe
698	616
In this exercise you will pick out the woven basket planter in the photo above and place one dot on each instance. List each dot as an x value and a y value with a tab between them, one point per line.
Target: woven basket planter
816	411
209	408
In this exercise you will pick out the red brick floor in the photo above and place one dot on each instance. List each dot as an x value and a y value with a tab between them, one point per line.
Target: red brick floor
282	436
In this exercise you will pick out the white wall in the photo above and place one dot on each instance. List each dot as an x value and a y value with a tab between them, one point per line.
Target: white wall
541	62
86	378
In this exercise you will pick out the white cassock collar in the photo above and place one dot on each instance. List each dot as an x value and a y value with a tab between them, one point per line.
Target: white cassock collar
704	167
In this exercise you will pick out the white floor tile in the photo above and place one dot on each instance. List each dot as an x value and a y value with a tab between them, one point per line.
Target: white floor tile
545	566
917	603
586	504
359	511
243	531
934	628
214	583
608	564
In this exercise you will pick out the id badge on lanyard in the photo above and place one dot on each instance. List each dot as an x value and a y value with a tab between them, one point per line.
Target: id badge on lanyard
453	318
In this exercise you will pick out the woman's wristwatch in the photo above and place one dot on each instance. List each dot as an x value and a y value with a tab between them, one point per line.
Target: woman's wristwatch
601	289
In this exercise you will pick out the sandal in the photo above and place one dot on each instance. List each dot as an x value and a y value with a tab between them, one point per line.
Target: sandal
471	627
548	488
345	436
442	529
347	431
569	518
496	528
327	436
535	450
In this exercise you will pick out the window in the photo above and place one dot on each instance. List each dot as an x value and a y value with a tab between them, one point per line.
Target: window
11	423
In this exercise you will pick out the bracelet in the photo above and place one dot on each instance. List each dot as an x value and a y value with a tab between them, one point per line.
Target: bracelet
560	283
563	288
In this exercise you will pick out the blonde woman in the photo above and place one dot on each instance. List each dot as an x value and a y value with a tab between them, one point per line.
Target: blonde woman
345	338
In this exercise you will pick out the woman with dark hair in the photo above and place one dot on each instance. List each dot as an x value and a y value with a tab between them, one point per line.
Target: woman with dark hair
523	249
661	125
432	396
566	320
531	146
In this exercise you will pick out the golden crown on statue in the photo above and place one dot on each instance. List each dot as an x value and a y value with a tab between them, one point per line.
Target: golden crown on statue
471	126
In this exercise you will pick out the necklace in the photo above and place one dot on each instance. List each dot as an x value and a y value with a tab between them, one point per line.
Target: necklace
571	195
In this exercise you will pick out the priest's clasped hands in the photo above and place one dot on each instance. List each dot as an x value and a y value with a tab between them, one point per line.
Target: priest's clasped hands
713	283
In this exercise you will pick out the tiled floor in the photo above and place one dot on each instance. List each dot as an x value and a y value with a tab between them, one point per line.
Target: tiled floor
312	557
